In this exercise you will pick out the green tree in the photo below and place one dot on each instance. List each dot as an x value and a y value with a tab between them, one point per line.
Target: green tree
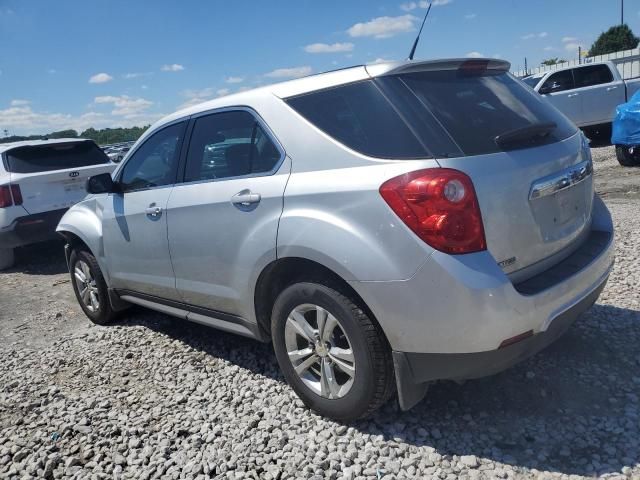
552	61
615	39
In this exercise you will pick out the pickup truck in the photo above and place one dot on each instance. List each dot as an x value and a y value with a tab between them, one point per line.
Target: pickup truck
588	94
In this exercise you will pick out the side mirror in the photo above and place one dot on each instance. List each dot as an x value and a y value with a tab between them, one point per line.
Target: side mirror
102	183
544	90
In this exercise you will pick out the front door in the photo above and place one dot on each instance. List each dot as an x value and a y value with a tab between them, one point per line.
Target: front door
223	220
135	219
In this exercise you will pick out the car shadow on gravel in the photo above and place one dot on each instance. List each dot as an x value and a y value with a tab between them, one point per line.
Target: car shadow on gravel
570	409
45	258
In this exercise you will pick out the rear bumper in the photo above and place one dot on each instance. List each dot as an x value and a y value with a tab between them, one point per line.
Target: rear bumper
30	229
414	370
451	319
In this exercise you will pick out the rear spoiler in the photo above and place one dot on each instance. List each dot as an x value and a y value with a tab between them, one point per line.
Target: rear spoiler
492	64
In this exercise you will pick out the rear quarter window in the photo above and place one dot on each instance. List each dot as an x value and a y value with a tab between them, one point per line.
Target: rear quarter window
358	116
46	158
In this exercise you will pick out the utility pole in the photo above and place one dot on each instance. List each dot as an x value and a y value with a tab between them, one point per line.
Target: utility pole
621	12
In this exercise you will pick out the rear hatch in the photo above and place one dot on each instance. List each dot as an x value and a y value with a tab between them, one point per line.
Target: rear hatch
53	176
530	166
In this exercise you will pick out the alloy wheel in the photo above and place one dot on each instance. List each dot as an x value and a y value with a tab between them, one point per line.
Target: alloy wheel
320	351
87	288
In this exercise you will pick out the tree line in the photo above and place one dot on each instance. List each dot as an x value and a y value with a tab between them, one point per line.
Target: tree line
104	136
616	39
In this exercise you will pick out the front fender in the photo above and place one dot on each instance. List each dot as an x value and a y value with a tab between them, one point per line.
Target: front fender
84	220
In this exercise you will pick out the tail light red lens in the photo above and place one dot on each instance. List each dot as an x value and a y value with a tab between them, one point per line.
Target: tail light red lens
440	206
5	196
17	194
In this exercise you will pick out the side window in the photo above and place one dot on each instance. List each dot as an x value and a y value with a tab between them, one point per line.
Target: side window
593	75
558	82
229	144
155	162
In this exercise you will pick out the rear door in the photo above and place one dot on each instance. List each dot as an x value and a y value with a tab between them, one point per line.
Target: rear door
52	177
600	93
559	90
223	219
530	167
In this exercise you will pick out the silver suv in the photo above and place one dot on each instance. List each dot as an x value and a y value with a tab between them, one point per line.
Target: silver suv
384	226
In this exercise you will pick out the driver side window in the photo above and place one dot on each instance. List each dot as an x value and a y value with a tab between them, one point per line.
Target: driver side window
155	162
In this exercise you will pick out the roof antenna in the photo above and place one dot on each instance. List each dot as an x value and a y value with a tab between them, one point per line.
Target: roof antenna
415	44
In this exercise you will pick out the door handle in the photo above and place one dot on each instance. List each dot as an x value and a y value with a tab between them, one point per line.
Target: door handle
571	95
246	198
611	88
153	211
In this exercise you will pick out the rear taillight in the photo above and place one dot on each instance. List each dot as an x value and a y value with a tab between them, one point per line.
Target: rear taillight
5	196
17	194
440	206
10	195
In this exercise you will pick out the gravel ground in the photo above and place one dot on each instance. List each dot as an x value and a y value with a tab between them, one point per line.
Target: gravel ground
155	397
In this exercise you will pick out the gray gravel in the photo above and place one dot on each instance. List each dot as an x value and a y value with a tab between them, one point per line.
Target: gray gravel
154	397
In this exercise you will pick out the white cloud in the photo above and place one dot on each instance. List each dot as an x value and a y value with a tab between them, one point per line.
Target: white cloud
409	6
550	49
234	79
194	97
470	16
294	72
100	78
573	47
23	120
131	75
124	105
383	27
569	39
474	54
19	103
222	92
52	71
529	36
174	67
327	48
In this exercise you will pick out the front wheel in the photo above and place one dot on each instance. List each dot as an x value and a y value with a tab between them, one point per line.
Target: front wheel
627	156
332	354
90	287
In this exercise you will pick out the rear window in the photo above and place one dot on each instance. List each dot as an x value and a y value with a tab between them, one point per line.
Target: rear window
430	114
62	156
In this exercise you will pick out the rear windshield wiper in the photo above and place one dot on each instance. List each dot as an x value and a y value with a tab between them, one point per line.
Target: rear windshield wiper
536	131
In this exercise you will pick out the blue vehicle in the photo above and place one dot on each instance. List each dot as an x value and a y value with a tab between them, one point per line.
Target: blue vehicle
625	134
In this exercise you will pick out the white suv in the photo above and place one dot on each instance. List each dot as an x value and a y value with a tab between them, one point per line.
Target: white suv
39	181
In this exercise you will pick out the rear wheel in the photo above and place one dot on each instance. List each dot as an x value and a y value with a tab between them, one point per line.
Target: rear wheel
90	287
7	258
628	156
331	353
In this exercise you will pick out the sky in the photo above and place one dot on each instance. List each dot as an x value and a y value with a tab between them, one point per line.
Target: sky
109	63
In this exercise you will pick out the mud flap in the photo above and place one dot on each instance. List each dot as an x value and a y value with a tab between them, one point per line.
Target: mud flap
409	392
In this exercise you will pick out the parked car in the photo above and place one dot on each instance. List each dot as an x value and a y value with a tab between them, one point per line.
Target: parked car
626	132
39	181
384	226
588	94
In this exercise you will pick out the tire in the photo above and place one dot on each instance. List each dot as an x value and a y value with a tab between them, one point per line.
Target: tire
7	258
625	157
348	397
98	308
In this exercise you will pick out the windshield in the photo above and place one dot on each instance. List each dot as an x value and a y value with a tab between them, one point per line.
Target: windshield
531	81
